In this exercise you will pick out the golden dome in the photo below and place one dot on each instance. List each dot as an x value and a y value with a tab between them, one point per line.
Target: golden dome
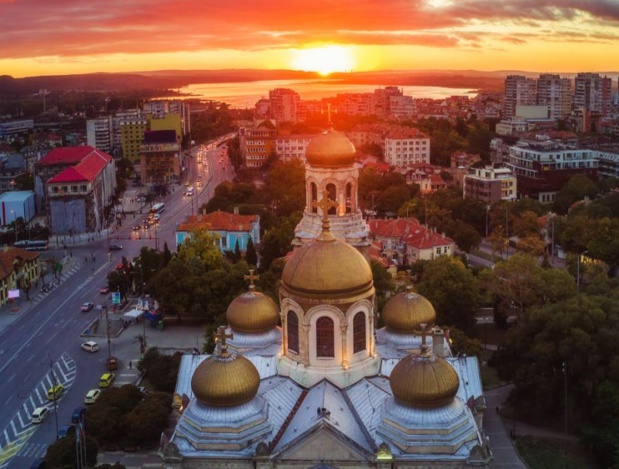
252	312
326	268
424	381
330	149
405	312
225	380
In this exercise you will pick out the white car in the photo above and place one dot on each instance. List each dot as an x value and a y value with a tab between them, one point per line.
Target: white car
39	414
92	396
90	346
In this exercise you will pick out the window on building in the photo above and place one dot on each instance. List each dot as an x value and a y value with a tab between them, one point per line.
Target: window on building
325	338
83	188
314	197
358	327
293	331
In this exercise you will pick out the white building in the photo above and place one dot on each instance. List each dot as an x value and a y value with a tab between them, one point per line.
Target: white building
406	146
556	93
99	133
490	184
292	147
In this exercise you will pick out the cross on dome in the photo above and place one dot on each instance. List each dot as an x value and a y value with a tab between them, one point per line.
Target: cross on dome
325	204
220	339
251	277
423	333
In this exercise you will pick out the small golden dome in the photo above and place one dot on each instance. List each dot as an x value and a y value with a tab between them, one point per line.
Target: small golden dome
252	312
225	380
326	268
405	312
330	150
424	381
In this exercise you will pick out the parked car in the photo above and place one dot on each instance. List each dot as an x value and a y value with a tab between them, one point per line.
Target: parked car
92	396
115	247
106	380
39	414
87	307
47	287
104	290
78	414
55	392
137	228
90	346
65	430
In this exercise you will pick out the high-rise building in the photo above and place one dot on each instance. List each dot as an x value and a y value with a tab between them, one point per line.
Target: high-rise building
556	93
593	93
284	104
99	133
518	90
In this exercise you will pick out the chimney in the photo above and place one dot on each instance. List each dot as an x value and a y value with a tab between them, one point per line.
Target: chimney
438	342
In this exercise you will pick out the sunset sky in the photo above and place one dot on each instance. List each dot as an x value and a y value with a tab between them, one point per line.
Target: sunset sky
54	37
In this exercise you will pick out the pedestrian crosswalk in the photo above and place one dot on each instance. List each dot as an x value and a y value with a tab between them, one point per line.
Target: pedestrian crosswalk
14	437
36	299
33	450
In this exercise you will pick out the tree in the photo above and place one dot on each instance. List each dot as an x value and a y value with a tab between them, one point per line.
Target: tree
277	241
149	418
237	252
251	257
576	188
286	187
63	453
453	291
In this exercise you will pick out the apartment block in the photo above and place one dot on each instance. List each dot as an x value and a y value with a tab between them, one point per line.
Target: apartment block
406	146
283	104
257	143
290	147
490	184
543	166
556	93
593	93
518	90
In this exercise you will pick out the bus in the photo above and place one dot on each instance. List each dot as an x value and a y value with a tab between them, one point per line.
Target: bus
156	209
35	245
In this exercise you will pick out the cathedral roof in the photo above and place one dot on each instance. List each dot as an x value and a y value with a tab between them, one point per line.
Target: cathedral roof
330	150
405	312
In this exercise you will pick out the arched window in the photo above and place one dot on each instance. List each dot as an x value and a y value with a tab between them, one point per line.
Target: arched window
358	333
314	190
333	197
348	198
325	340
293	331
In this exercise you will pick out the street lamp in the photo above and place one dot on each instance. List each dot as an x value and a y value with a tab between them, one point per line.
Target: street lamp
54	384
487	210
14	224
578	269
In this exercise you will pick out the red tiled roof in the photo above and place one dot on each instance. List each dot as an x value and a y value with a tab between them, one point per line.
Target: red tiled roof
8	257
66	155
69	174
426	239
397	228
93	164
218	221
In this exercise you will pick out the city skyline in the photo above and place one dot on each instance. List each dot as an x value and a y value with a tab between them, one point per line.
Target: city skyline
66	37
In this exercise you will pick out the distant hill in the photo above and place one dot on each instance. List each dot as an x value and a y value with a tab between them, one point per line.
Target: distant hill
174	79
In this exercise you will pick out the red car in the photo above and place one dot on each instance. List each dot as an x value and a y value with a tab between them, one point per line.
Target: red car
104	290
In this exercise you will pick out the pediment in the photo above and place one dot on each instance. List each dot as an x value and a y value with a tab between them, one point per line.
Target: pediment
323	444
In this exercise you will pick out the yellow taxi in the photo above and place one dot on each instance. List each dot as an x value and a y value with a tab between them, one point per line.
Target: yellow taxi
55	392
106	380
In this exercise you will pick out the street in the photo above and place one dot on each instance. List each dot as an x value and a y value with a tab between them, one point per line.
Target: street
40	344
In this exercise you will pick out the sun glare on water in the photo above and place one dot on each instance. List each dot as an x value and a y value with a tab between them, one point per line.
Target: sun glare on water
324	60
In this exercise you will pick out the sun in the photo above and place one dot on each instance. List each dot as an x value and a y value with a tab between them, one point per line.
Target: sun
324	60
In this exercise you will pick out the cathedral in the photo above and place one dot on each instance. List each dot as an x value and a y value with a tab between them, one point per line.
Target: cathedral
312	382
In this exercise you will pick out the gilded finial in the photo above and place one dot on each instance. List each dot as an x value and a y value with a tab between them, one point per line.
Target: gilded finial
220	340
423	333
251	277
325	204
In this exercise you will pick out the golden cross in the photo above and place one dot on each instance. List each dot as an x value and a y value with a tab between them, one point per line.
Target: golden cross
251	277
221	336
325	204
423	333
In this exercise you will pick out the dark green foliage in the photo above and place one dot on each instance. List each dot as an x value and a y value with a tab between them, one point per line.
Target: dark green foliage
251	257
161	370
145	420
577	188
62	454
277	241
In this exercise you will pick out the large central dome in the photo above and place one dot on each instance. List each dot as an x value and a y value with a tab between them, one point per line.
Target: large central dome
327	269
330	150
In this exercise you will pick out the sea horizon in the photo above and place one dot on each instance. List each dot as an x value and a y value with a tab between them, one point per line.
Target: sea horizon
245	94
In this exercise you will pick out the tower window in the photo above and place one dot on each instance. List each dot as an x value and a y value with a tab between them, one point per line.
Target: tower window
325	340
314	197
358	327
332	196
293	331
